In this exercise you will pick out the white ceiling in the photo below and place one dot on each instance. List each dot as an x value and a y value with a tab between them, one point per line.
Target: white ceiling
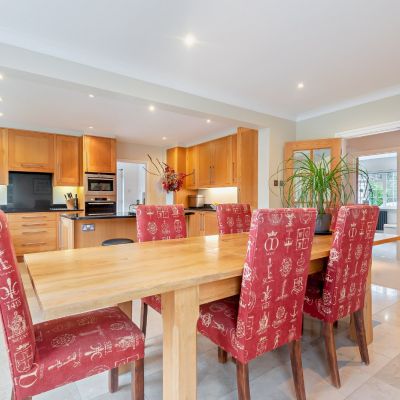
251	54
47	105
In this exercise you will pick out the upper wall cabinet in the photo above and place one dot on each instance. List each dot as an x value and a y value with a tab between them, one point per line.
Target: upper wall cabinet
30	151
3	157
215	163
68	161
99	154
192	167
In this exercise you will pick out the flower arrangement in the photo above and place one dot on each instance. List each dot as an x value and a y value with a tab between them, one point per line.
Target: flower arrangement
171	180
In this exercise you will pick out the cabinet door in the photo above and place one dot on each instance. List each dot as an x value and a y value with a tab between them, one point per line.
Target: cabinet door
192	167
67	171
30	151
99	154
210	223
221	162
205	164
195	225
3	157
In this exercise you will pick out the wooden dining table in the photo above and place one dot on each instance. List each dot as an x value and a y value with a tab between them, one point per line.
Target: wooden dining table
186	272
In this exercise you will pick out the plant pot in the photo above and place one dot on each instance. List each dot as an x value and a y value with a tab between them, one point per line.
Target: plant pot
323	224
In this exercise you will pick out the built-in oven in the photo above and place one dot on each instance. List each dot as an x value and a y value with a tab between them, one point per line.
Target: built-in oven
100	206
103	185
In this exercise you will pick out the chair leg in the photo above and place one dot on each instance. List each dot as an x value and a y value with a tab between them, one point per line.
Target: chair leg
336	324
331	353
143	317
297	369
242	376
360	333
138	380
222	356
113	380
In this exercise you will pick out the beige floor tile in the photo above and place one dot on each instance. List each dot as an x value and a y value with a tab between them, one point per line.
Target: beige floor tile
375	389
390	374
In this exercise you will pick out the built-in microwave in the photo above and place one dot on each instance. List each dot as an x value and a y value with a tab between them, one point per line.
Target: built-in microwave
103	185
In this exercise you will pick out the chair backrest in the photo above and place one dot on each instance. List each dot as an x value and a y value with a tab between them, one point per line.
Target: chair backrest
160	222
349	261
15	315
274	279
233	218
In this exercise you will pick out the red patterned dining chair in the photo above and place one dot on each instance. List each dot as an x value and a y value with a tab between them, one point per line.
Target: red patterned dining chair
47	355
268	312
233	218
158	223
340	290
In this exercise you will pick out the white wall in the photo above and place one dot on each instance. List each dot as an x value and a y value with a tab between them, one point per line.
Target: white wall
138	153
369	114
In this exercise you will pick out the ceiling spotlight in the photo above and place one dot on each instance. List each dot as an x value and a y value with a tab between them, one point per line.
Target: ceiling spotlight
1	99
300	85
164	138
190	40
1	77
208	121
1	114
91	95
151	108
90	127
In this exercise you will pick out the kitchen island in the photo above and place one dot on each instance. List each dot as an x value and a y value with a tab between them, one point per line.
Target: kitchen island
80	231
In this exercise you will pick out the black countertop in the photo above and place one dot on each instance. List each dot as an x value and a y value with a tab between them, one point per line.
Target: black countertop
77	217
22	210
205	208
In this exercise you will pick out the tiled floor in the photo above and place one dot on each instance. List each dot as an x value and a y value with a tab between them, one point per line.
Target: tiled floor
271	374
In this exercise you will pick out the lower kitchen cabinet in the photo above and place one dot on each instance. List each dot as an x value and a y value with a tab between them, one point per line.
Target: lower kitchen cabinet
203	223
33	232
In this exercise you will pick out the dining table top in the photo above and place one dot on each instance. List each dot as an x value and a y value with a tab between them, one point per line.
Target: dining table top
72	281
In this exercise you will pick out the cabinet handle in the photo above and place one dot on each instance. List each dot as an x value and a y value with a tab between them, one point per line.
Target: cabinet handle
30	165
33	232
34	244
233	172
194	178
209	174
34	217
39	224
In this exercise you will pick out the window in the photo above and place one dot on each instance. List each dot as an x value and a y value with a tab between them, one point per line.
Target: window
383	189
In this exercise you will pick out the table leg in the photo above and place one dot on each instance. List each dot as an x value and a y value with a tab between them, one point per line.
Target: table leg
180	310
127	309
369	333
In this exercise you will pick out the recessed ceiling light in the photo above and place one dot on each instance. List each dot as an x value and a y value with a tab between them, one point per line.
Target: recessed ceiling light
91	95
1	99
1	77
1	114
90	127
164	138
208	121
190	40
300	85
151	107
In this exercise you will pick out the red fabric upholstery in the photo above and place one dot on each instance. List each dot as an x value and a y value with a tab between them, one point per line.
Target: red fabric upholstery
159	223
343	288
47	355
268	312
233	218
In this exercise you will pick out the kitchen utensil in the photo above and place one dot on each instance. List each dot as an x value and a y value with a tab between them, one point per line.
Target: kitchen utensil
196	201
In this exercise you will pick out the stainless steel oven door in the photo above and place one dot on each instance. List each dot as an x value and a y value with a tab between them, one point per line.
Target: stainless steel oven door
100	185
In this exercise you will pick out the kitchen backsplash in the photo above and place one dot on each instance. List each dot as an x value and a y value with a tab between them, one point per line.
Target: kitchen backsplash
3	194
219	195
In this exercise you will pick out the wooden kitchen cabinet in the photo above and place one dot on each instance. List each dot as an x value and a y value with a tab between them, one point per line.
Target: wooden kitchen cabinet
33	232
68	161
30	151
192	167
214	163
99	154
203	223
3	157
232	162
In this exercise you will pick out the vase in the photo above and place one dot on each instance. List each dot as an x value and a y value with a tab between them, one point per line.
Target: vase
323	224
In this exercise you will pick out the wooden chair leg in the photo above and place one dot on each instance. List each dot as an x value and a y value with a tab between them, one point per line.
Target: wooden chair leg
143	317
242	376
222	356
336	324
138	380
297	369
360	334
113	380
331	353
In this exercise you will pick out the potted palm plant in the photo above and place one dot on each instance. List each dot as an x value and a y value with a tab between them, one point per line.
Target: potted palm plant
324	184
